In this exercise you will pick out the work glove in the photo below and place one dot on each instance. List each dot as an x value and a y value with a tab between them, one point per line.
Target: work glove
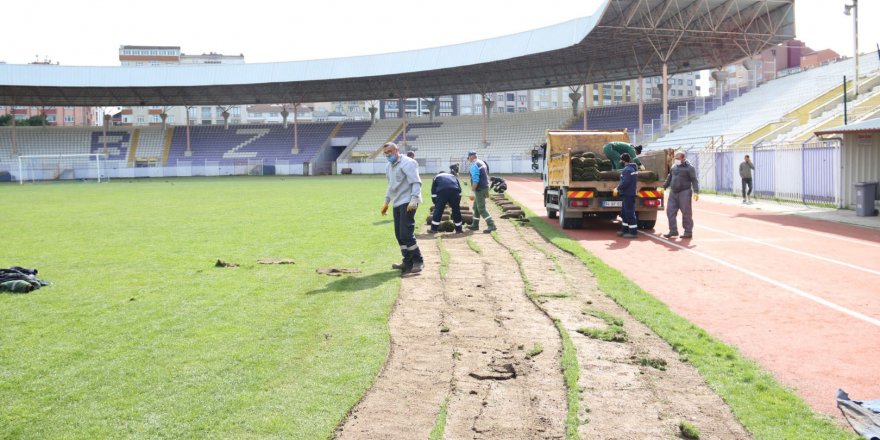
471	197
696	197
614	193
641	168
384	209
413	205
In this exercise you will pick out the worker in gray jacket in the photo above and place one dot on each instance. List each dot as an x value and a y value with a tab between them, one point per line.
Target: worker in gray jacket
404	194
745	173
683	184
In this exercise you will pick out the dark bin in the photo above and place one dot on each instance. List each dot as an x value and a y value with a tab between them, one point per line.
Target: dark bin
866	193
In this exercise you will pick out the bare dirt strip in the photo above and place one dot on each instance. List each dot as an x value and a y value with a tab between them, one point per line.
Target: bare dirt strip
466	339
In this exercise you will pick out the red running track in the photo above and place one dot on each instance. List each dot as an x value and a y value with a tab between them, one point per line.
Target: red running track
799	296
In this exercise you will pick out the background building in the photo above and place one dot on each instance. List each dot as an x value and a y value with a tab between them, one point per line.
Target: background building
56	116
151	56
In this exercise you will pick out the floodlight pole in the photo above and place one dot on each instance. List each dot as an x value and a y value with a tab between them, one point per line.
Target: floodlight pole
853	10
855	7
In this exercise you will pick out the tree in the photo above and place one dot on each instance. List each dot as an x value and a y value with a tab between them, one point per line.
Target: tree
5	120
33	121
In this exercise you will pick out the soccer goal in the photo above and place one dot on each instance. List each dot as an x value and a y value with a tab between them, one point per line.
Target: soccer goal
55	167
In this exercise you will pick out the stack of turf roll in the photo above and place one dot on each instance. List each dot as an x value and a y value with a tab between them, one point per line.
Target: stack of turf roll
647	176
446	224
584	166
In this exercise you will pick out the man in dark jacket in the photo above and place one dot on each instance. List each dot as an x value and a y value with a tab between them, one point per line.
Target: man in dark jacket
446	189
745	173
627	191
683	184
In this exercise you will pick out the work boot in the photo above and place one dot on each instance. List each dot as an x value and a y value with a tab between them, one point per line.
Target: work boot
398	266
671	234
415	268
687	235
474	226
620	233
630	235
745	202
490	229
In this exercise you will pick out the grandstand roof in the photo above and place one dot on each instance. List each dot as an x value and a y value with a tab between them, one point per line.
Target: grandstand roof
621	40
868	126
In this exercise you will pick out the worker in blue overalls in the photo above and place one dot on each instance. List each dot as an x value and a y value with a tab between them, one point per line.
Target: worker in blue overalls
446	189
627	191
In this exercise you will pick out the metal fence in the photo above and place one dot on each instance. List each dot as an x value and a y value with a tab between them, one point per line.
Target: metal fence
498	164
807	173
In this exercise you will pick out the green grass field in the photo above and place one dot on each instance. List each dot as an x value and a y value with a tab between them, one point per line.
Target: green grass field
139	336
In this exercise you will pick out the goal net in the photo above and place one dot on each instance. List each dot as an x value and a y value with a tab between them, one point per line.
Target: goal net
53	167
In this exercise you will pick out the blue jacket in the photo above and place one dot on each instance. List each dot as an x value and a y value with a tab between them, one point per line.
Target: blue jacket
479	175
443	182
627	186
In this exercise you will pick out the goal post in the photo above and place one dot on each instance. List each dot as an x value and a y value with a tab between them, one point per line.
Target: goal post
55	167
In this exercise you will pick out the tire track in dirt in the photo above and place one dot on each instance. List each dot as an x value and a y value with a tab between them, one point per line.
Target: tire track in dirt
621	398
406	396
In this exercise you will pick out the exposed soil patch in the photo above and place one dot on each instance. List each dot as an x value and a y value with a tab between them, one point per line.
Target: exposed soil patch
472	338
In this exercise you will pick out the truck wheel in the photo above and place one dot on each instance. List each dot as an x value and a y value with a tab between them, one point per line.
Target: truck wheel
566	221
552	213
647	224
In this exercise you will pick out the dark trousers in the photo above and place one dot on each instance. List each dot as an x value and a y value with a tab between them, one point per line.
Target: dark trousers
747	181
680	201
629	223
453	198
405	231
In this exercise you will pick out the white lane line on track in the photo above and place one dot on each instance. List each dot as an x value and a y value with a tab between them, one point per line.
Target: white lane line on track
779	284
794	251
798	228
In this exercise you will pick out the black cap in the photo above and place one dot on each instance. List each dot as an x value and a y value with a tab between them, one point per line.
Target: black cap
625	157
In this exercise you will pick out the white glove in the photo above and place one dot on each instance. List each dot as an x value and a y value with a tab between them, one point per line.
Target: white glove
413	205
641	168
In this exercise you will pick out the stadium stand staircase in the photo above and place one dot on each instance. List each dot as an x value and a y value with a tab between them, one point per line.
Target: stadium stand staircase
771	101
815	112
375	136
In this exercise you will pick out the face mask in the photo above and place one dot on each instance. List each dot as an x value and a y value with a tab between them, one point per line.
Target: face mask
678	161
391	158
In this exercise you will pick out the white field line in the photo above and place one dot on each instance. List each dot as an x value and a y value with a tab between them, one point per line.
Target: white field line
794	251
779	284
806	231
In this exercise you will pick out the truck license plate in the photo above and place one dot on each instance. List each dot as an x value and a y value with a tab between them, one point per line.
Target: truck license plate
612	204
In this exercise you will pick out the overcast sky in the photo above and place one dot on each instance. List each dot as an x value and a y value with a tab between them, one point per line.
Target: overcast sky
90	32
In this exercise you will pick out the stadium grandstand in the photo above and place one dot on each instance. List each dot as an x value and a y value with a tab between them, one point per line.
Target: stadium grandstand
659	39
